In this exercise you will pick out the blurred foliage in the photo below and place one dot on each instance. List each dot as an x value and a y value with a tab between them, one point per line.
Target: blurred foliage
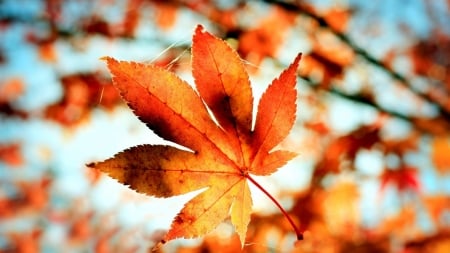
379	172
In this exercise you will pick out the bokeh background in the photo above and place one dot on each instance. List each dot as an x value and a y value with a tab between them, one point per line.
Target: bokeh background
372	130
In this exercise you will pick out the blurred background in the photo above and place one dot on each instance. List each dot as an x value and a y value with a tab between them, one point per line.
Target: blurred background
372	130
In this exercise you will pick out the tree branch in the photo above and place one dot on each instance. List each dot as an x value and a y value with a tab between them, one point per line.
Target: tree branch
363	53
418	123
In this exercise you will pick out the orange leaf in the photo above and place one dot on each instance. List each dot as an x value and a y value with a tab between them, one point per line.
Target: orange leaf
47	52
347	147
340	208
11	90
265	38
338	18
440	154
224	85
27	241
222	153
131	19
275	118
166	14
11	154
81	93
403	178
329	60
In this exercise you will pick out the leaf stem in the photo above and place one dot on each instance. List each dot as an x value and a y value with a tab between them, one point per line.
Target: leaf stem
297	231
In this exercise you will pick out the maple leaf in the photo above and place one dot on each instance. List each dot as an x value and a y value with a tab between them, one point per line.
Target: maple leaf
266	37
11	90
223	152
403	178
82	92
11	154
439	155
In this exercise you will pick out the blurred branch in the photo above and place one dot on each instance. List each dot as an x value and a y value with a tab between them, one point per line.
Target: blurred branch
362	52
354	98
444	117
434	126
423	125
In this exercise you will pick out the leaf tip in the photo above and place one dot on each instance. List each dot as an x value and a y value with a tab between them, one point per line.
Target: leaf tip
297	59
199	29
90	165
104	58
108	59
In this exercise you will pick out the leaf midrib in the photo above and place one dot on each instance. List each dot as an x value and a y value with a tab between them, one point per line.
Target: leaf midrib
236	132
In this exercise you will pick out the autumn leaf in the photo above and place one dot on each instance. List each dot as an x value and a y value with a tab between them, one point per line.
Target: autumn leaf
11	154
437	206
265	38
337	18
27	241
131	19
340	209
330	60
82	92
47	52
165	14
439	155
223	150
11	89
347	147
403	178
